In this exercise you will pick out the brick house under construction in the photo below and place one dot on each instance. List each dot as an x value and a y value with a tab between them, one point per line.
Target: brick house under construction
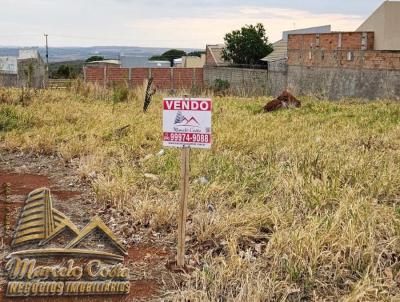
364	63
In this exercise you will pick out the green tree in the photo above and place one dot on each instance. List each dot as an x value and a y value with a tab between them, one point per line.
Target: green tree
64	71
247	45
197	53
157	58
169	55
94	58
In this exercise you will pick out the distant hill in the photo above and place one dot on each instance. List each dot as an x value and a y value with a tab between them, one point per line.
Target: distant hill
63	54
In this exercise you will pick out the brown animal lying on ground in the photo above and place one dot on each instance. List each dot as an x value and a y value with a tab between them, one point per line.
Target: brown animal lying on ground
285	100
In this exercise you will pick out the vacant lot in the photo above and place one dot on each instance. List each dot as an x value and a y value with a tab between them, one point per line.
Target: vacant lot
297	205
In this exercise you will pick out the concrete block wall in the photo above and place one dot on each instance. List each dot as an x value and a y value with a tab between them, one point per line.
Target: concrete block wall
164	78
247	82
8	80
337	83
31	73
370	74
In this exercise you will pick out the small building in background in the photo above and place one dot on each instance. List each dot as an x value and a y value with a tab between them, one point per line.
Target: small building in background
31	69
26	70
192	61
277	59
104	63
130	61
214	55
158	64
8	65
324	29
178	62
8	71
25	54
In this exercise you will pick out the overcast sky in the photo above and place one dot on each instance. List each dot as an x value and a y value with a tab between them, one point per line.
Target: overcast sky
167	23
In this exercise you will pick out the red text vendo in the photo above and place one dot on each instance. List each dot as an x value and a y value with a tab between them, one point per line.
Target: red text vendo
196	105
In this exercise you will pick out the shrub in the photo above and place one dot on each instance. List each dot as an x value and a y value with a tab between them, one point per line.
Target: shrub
5	97
10	119
64	72
221	86
120	94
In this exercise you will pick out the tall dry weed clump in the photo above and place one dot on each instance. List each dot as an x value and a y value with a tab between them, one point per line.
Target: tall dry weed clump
299	205
5	96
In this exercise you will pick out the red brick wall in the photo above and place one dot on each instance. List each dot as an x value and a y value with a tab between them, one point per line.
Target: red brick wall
183	77
295	41
94	75
382	60
116	74
326	50
330	41
138	76
164	78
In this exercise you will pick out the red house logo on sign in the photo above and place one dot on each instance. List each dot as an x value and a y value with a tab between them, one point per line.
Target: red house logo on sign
187	123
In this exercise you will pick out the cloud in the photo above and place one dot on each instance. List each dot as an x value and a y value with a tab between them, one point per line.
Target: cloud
211	28
157	23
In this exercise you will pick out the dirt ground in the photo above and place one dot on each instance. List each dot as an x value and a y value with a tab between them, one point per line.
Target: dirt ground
148	257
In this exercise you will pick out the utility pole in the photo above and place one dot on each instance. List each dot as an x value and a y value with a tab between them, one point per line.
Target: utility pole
47	51
47	61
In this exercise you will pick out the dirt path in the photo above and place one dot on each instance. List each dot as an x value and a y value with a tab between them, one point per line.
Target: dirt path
21	173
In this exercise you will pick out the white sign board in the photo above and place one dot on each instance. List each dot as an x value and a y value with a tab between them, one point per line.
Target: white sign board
187	122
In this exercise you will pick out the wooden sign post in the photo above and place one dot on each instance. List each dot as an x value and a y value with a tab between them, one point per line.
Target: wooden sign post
185	158
186	124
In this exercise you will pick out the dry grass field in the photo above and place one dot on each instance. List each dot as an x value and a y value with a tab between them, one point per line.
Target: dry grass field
300	205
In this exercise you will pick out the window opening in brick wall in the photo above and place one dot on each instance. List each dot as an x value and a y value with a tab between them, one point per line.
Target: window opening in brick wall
364	41
350	56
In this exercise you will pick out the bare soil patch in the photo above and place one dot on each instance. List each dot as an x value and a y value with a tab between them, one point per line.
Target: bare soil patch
22	184
146	253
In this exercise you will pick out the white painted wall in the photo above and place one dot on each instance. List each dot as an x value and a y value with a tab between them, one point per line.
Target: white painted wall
385	22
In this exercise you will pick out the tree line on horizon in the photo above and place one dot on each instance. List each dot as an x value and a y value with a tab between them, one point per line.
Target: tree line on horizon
246	46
